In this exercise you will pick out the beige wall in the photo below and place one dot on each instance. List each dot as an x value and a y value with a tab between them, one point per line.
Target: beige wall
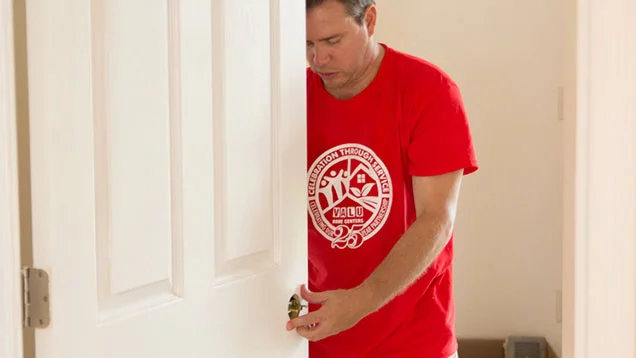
507	58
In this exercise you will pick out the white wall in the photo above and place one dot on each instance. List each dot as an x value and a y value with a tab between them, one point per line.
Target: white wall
507	58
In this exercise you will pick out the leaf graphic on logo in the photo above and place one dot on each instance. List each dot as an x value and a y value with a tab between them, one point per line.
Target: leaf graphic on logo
356	192
367	188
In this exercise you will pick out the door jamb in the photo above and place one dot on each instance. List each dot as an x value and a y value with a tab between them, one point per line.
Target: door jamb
11	344
599	222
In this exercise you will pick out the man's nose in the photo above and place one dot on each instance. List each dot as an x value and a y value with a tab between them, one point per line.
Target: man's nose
320	57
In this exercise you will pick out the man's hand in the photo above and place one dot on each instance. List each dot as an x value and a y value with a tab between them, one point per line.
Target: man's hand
339	311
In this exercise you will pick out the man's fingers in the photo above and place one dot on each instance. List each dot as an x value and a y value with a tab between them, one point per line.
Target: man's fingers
306	320
311	333
311	297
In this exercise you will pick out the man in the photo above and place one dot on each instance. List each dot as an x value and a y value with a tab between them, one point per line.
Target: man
388	145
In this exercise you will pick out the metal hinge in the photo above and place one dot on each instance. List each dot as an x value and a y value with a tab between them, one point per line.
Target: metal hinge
35	297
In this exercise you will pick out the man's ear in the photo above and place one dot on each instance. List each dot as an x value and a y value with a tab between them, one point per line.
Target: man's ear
370	19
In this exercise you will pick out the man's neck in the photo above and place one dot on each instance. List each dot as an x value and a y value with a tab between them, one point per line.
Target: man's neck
375	54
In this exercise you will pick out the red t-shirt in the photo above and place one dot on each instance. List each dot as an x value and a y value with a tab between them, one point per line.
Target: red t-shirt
362	155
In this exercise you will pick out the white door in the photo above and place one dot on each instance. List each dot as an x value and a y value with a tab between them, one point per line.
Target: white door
168	163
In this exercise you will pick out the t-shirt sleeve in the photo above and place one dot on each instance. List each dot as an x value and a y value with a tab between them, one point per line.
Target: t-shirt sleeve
441	140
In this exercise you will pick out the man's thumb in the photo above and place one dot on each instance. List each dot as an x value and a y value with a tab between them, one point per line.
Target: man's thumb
311	297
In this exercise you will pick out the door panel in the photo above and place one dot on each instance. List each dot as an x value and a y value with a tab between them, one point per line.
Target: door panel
168	161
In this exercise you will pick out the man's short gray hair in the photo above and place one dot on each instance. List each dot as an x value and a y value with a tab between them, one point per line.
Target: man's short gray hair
355	8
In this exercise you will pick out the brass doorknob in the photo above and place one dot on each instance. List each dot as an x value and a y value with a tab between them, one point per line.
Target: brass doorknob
294	307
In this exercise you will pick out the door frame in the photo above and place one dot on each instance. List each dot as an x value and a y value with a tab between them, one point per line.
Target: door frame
595	245
10	278
599	223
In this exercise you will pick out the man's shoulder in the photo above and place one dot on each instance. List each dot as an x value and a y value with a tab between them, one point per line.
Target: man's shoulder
417	72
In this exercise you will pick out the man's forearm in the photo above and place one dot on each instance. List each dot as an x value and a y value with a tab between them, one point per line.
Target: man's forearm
411	256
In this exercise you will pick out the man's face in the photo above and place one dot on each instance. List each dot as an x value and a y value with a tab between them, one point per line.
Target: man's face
336	44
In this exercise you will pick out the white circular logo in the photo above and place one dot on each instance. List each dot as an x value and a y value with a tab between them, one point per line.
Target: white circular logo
350	195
